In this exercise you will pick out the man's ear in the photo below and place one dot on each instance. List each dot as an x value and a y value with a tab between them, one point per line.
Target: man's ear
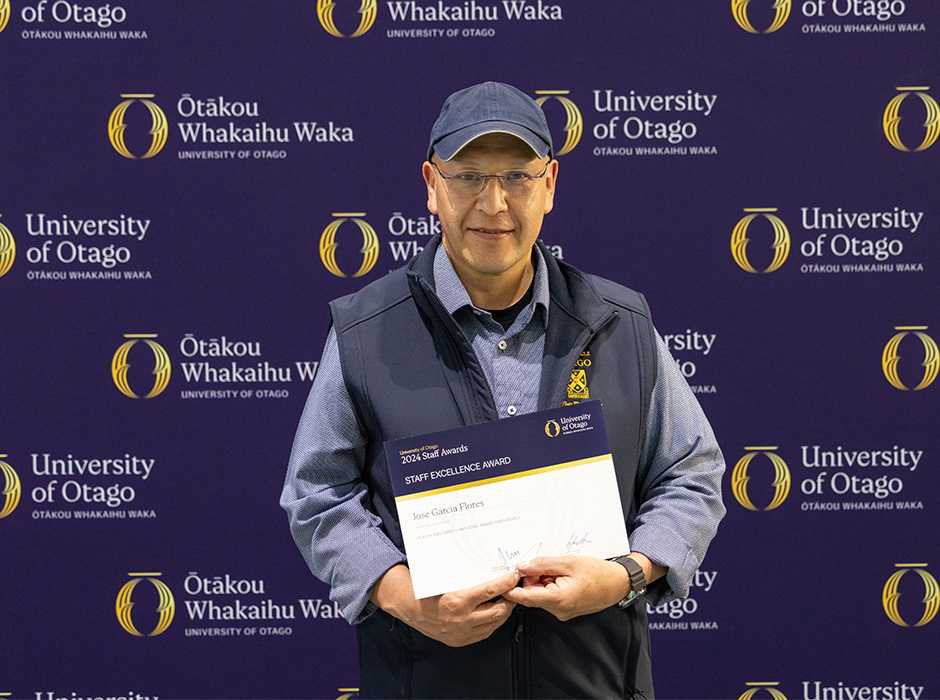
432	182
549	179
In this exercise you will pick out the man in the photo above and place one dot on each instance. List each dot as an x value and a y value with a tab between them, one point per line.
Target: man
485	324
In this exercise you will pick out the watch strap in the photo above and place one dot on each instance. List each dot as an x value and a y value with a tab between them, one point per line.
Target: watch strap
637	580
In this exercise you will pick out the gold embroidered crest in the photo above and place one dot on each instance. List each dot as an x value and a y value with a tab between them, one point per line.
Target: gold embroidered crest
577	386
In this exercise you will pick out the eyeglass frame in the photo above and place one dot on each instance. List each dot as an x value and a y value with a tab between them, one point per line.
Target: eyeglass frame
500	178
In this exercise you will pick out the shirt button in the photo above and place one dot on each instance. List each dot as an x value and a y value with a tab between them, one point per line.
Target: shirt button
502	345
511	410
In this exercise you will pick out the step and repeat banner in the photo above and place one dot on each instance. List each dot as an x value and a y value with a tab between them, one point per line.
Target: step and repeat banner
185	184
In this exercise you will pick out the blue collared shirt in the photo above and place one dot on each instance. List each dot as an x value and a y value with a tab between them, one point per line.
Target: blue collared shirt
512	358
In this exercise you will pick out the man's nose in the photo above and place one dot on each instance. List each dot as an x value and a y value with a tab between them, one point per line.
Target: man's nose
492	199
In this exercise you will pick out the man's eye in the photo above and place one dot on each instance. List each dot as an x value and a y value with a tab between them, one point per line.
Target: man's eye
467	177
517	176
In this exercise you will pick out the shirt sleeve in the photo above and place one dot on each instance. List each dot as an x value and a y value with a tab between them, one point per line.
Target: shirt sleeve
679	483
327	502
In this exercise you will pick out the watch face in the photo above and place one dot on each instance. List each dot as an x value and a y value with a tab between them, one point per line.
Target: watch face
629	599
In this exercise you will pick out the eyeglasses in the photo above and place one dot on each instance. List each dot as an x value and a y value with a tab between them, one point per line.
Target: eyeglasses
515	183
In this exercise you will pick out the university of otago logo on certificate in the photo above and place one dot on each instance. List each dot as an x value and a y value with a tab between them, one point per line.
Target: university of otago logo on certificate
121	365
366	9
161	608
10	495
780	246
891	358
762	689
891	596
743	9
740	478
118	134
574	123
902	109
330	245
7	250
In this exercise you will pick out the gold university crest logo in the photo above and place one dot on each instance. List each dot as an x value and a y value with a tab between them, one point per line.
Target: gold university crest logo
11	489
166	607
367	10
739	9
7	250
369	250
574	124
890	358
120	365
890	595
577	386
158	131
892	119
739	240
578	383
4	13
755	688
740	478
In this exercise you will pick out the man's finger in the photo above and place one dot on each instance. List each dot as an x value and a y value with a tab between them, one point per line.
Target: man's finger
494	588
542	566
535	596
496	611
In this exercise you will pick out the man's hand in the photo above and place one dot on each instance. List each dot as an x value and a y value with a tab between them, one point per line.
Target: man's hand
570	586
455	619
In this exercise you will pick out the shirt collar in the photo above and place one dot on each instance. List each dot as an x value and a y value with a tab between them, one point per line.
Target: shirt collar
453	295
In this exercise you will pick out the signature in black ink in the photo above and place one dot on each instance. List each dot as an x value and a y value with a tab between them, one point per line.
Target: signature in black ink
509	557
576	541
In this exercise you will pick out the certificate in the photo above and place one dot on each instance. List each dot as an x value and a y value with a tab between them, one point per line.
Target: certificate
475	501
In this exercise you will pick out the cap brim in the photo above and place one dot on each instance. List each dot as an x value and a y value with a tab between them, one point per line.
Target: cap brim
449	146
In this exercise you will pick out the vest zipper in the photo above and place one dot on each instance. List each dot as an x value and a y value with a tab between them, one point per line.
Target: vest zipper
520	684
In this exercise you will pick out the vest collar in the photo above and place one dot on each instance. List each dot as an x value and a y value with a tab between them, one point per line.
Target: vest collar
569	288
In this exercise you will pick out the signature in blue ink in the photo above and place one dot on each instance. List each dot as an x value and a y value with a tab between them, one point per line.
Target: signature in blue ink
509	557
576	541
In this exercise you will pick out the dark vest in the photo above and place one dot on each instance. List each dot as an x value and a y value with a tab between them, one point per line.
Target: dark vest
410	370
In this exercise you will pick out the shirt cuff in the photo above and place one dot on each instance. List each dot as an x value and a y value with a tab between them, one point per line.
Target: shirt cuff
667	548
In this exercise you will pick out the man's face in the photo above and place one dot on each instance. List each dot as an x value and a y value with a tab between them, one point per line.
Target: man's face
491	234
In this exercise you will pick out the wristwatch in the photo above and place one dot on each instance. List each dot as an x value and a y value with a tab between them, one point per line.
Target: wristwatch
637	580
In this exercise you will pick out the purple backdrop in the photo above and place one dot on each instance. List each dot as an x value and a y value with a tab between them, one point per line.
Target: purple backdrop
175	175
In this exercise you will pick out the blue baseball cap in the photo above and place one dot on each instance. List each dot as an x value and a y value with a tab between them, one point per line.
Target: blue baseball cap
489	108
